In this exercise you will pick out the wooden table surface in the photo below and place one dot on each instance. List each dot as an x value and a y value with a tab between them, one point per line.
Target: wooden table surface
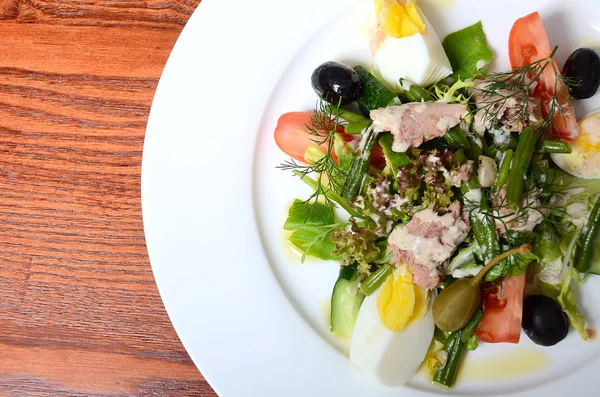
80	314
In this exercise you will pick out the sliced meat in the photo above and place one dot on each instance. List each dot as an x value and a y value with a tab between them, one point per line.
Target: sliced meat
503	107
425	229
462	175
415	123
423	275
522	221
427	242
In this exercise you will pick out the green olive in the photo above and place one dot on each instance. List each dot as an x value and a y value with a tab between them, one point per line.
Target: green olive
456	305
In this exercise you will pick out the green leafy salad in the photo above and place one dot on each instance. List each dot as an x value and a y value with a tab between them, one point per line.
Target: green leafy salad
447	195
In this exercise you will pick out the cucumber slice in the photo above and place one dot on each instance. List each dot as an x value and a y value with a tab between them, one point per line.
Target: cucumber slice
415	93
375	93
345	301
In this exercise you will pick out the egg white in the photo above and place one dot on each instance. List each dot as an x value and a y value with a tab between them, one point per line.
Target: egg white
391	357
419	58
583	162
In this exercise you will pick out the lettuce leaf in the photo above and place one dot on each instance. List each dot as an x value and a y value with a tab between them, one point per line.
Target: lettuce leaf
315	240
572	189
468	51
563	292
311	225
512	266
547	247
568	301
393	159
473	343
303	214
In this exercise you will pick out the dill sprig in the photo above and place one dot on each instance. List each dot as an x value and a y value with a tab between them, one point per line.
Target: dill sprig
329	177
519	85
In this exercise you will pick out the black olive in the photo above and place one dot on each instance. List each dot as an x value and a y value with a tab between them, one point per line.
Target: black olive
334	80
583	68
544	322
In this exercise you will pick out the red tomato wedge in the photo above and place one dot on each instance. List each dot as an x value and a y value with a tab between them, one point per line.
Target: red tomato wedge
528	43
503	311
378	158
292	137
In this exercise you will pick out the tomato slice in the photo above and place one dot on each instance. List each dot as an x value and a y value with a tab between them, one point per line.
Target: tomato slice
293	139
378	158
528	43
503	311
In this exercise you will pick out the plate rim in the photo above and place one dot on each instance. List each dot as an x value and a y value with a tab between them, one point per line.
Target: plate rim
177	310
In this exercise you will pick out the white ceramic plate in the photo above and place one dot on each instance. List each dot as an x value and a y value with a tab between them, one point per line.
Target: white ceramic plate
251	317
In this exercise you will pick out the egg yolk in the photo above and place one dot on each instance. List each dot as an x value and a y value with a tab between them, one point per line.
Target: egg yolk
587	143
589	136
401	302
399	18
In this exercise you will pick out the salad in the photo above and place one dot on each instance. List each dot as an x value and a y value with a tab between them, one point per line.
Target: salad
461	204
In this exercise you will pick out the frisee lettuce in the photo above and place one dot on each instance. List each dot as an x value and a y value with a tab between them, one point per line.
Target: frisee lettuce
359	244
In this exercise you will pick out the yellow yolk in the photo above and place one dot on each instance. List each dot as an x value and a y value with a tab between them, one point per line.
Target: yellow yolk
399	18
587	142
400	302
421	303
584	161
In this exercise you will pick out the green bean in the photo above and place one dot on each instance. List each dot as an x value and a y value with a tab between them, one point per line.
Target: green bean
440	335
459	157
356	123
519	166
474	150
469	329
331	195
358	127
456	138
359	167
504	170
585	248
484	229
376	279
347	115
455	347
416	93
490	151
513	142
545	146
510	143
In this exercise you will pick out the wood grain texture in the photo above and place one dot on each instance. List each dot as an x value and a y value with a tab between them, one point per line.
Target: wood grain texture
80	314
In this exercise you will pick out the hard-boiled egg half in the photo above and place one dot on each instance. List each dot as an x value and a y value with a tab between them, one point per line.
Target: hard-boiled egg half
393	330
584	160
405	45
